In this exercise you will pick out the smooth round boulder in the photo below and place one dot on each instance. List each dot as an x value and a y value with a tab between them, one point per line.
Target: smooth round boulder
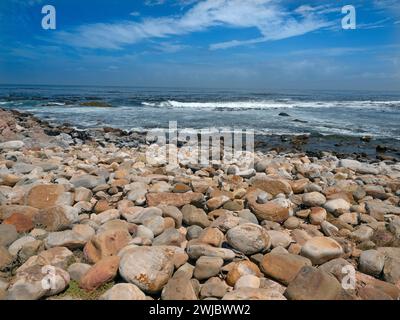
321	249
248	238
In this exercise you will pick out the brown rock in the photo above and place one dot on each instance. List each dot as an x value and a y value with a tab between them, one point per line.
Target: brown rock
173	199
5	259
241	268
313	284
21	222
105	244
45	196
212	236
269	211
283	267
102	272
271	185
56	218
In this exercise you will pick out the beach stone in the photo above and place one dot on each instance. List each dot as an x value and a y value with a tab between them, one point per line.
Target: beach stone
17	245
56	218
317	215
195	216
149	268
155	223
6	259
364	280
21	222
279	239
371	262
391	270
313	284
179	287
248	215
197	250
335	267
105	244
240	269
172	212
283	267
105	216
253	294
83	194
193	232
357	166
248	238
321	249
271	185
207	267
226	220
313	199
71	239
12	145
217	202
34	283
8	234
102	272
45	196
59	257
78	270
170	237
173	199
349	218
362	233
337	206
276	210
144	232
87	181
212	236
213	287
248	281
292	223
377	209
377	192
123	291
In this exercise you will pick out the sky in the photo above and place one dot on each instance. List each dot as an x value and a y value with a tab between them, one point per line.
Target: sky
258	44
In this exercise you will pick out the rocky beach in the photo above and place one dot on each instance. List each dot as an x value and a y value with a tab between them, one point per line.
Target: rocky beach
88	215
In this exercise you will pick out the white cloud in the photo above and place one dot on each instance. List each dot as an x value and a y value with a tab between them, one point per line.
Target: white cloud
267	16
135	14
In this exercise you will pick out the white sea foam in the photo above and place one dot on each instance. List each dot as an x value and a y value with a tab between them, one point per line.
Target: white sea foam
273	104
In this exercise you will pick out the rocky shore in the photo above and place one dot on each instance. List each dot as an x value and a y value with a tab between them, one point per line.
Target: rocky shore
89	215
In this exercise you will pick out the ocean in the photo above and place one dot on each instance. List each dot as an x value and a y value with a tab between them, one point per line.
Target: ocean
290	112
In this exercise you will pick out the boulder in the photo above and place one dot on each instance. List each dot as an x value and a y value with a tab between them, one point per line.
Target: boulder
321	249
248	238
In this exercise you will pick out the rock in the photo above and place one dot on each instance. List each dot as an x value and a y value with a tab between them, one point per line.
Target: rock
195	216
170	237
78	270
283	267
155	223
317	215
179	287
378	209
248	215
253	294
108	215
138	193
83	194
313	284
102	272
38	281
173	199
172	212
21	222
271	185
335	267
357	166
71	239
371	262
212	236
321	249
123	291
363	280
337	206
12	145
292	223
240	269
145	233
391	270
59	257
149	268
56	218
207	267
6	259
8	234
349	218
213	287
248	281
248	238
314	199
197	250
377	192
106	244
17	245
217	202
193	232
45	196
362	233
279	239
87	181
276	210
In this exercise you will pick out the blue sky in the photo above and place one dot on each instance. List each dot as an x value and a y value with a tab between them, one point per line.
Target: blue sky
263	44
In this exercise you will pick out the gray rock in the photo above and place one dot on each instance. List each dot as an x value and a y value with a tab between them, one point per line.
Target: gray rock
12	145
78	270
123	291
8	234
248	238
372	262
87	181
207	267
314	199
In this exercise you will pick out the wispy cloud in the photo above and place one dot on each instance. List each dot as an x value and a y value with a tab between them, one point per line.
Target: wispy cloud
268	16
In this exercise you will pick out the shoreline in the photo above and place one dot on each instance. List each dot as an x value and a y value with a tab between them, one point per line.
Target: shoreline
99	214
